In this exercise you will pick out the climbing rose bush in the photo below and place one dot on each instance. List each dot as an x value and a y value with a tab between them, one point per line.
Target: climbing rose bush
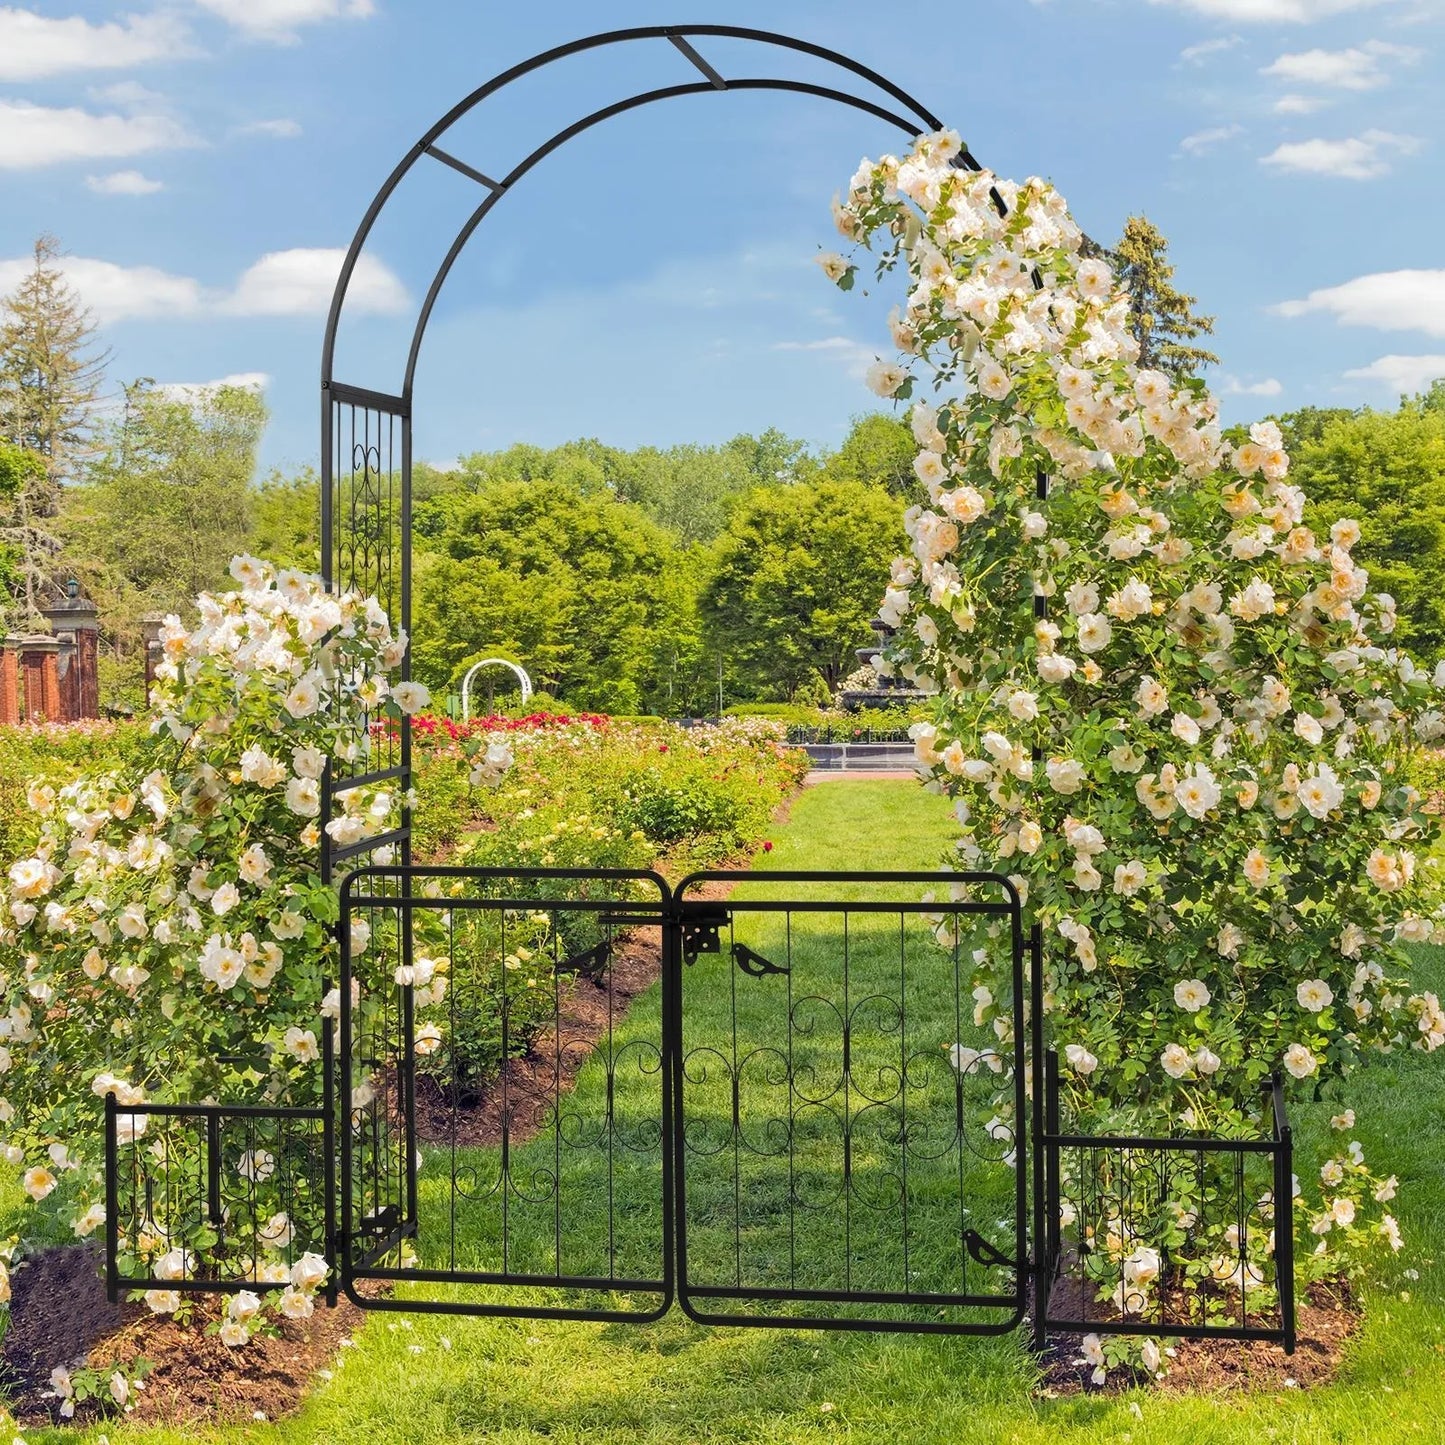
170	938
1193	765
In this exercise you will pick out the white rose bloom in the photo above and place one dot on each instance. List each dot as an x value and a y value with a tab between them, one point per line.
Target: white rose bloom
301	1044
303	699
1300	1062
1065	775
1054	667
308	762
1129	877
1185	728
257	1166
309	1272
295	1305
1080	1060
1191	994
1023	705
410	697
1151	697
254	865
303	797
1197	792
224	899
1314	995
1094	632
884	378
277	1233
1206	1061
1176	1061
258	767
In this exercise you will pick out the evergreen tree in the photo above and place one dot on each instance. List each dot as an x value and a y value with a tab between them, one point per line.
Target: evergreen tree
50	379
1163	317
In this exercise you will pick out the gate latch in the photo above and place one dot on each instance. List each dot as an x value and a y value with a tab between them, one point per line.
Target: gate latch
701	926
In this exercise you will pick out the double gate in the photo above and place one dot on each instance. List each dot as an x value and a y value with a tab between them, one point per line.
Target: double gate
801	1124
772	1098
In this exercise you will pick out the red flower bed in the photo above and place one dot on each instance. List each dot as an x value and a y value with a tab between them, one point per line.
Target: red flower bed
433	727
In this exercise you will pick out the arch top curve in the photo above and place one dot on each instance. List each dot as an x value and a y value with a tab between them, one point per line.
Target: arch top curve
912	117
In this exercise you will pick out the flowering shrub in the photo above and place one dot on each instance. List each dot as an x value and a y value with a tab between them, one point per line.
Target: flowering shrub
586	793
1194	765
60	752
168	937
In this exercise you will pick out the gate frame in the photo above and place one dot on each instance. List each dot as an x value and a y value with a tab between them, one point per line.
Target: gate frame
674	913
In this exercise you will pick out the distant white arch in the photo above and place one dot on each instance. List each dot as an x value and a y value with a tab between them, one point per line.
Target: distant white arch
476	667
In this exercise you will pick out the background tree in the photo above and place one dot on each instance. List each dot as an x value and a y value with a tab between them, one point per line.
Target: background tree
50	379
19	469
163	508
286	520
878	450
1388	470
1163	317
583	590
794	582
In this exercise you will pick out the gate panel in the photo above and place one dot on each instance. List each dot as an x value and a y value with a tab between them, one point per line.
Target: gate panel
539	1189
851	1146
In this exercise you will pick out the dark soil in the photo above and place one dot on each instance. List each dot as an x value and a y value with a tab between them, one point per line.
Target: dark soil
60	1316
1326	1318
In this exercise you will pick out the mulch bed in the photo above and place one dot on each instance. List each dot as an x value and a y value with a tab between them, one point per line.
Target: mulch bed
1326	1318
60	1316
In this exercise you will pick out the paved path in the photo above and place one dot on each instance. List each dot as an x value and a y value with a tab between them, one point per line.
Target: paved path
846	775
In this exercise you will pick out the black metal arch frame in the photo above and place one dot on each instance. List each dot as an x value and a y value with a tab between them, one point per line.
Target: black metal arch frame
366	435
366	459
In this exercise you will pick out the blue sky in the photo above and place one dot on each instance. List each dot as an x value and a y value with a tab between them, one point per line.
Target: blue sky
203	160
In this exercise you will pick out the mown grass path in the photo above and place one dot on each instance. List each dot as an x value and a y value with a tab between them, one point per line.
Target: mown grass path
673	1383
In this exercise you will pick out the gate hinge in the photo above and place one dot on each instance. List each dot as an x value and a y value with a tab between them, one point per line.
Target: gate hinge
701	925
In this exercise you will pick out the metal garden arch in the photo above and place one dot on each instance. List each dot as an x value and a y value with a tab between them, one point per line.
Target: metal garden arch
366	435
522	678
682	1247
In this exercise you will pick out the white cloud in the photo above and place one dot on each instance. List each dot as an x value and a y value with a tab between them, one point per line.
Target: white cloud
117	293
281	129
1386	300
1204	140
283	283
277	19
1356	158
1361	67
35	46
195	390
1270	12
1198	54
300	282
854	355
1298	104
1233	386
37	135
1403	374
124	183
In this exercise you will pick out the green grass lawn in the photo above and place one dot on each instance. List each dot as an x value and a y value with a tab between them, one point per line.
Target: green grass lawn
431	1379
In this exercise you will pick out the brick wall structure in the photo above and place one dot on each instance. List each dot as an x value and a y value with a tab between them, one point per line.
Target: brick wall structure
52	676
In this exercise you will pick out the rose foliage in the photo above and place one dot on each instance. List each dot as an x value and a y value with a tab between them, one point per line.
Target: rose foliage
169	938
1194	765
